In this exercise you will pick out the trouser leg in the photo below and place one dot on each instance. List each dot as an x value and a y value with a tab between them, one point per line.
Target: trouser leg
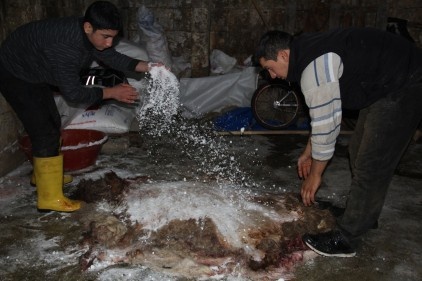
35	106
383	132
356	138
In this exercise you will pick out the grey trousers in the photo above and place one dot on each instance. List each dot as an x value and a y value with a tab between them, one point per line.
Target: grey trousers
382	134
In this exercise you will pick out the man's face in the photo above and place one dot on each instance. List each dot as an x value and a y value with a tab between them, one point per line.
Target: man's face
277	68
100	38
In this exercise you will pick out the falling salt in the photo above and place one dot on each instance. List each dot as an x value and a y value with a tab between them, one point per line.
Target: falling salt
158	117
160	103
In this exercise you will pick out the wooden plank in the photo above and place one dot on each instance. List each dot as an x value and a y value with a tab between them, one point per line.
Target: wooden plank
272	132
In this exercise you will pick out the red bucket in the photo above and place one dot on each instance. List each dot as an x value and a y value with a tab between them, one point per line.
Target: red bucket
80	148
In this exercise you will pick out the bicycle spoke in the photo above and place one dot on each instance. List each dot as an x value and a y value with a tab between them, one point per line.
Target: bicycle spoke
275	107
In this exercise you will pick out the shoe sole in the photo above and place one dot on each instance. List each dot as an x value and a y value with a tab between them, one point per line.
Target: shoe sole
340	255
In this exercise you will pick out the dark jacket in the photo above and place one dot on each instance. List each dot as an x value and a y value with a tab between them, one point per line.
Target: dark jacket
375	62
54	51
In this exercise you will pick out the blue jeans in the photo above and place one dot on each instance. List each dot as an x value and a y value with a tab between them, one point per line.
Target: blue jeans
34	105
382	134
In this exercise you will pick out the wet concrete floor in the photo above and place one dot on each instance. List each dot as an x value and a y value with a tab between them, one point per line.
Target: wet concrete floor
39	246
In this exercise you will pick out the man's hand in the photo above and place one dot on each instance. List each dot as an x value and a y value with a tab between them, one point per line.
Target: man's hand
145	66
122	92
309	188
310	170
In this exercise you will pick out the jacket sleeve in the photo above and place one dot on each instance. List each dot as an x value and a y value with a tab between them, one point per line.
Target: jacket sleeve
320	86
116	60
66	67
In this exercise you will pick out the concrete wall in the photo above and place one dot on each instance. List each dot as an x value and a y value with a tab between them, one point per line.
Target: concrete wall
194	27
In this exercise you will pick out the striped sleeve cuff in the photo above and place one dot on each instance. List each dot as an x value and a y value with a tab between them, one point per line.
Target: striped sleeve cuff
323	152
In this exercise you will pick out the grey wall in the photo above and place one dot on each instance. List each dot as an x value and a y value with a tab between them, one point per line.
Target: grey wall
193	28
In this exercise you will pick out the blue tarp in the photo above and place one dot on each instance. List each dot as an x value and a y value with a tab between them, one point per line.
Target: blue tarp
242	117
236	119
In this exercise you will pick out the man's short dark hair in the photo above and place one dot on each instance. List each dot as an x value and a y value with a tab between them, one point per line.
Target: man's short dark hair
103	15
272	42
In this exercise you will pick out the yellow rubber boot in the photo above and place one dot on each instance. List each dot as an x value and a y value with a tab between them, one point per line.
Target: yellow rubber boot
49	175
66	179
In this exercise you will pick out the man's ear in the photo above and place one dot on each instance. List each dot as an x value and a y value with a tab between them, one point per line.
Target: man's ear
88	27
283	55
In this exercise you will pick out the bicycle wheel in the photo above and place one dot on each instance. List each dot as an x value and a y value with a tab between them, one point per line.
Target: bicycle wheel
275	106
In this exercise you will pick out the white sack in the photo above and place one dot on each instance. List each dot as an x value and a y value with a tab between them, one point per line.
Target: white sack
110	118
67	110
220	62
199	96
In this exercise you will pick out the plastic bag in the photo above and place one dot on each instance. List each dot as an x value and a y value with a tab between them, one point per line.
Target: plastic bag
235	120
221	63
152	37
203	95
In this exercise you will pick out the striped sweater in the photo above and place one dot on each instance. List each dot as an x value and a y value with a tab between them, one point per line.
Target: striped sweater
54	51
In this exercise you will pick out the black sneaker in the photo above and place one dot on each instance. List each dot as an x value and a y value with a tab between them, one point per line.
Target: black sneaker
330	244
